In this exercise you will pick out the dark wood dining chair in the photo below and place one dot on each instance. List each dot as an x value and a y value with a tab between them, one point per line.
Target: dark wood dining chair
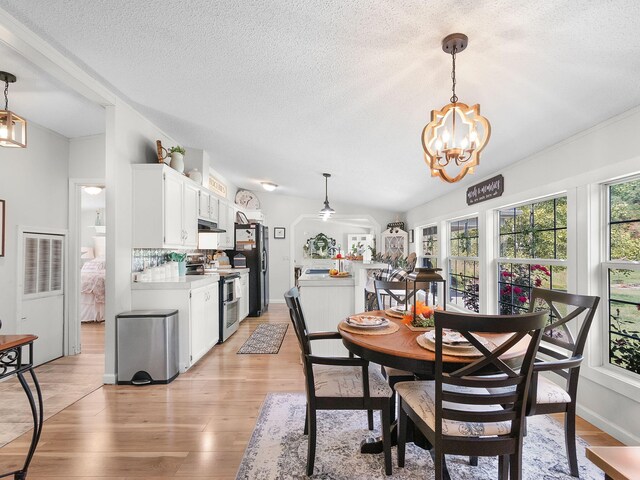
569	319
388	294
456	412
338	383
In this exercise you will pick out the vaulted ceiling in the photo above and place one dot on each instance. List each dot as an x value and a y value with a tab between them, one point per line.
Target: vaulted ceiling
285	90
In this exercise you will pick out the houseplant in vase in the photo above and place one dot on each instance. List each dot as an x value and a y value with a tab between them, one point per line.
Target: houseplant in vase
181	259
177	158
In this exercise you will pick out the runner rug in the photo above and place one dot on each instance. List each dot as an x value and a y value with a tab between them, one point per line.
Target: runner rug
278	449
266	338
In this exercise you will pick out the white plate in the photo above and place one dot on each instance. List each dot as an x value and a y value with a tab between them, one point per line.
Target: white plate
398	308
446	349
454	340
367	321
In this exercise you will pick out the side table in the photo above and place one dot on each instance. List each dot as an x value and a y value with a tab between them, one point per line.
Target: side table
16	358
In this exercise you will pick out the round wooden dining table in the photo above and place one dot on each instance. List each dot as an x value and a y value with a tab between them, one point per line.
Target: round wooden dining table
400	349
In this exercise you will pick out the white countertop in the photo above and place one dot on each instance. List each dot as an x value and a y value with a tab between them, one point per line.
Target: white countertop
187	282
226	270
322	280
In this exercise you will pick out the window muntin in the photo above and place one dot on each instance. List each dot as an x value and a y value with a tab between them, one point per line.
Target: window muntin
430	246
623	275
532	252
464	267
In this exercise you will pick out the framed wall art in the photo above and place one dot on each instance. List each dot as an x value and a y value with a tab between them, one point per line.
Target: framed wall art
279	233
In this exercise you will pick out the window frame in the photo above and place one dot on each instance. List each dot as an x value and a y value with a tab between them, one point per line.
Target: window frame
606	265
449	258
552	262
438	236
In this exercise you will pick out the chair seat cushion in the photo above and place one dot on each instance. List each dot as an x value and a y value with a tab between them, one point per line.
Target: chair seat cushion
421	396
549	392
338	381
394	372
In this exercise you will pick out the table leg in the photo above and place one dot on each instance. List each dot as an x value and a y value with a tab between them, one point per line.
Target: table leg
37	413
374	445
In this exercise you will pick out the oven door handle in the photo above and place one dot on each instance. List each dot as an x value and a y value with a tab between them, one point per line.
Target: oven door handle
235	300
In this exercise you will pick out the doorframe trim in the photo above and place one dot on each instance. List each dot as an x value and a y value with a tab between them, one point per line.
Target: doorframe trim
73	340
20	231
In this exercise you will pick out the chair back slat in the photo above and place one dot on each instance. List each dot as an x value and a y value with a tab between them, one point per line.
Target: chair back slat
507	366
292	299
557	332
388	291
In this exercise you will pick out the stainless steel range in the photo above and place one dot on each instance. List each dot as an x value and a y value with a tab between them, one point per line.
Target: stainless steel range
228	305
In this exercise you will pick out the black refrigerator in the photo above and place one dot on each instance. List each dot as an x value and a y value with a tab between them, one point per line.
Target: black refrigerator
252	241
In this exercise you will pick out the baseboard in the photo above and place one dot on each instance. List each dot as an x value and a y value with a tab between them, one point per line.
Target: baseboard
109	378
278	300
607	426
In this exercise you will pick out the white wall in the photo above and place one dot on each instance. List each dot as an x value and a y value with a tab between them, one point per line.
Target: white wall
33	183
577	166
87	157
130	138
281	211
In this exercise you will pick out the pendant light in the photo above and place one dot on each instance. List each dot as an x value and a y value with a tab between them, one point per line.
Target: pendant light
457	133
326	211
13	129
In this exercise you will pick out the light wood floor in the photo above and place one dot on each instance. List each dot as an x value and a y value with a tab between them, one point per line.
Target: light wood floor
196	427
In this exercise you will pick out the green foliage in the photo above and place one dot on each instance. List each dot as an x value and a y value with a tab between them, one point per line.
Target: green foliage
624	348
177	149
177	257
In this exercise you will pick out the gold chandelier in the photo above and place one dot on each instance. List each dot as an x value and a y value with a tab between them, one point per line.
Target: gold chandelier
457	133
13	129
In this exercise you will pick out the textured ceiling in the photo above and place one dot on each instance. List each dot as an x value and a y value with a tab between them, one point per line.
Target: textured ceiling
285	90
45	101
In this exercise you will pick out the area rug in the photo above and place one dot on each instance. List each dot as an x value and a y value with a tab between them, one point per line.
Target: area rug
278	449
266	338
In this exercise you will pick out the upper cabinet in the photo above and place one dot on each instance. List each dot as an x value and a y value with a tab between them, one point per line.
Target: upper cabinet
226	221
208	209
165	208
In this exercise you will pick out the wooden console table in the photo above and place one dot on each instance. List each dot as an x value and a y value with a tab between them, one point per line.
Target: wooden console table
13	361
617	463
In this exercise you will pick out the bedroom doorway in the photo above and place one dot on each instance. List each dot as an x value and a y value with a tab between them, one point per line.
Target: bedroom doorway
87	267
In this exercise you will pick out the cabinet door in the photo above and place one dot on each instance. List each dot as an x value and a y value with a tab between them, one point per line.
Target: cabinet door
198	324
203	208
223	222
212	315
213	208
244	300
173	230
231	223
190	216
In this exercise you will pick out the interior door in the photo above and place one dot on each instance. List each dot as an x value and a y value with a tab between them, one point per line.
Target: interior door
43	294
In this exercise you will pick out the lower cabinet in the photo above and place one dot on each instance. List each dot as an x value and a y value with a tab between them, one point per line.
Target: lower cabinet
198	329
243	302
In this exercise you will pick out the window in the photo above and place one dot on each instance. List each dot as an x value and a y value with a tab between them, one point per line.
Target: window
623	275
463	264
43	264
533	252
430	249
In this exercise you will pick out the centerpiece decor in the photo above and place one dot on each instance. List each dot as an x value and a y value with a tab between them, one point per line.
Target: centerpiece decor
420	314
457	133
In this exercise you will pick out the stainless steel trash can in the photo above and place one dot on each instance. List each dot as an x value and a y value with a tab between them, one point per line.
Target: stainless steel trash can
147	346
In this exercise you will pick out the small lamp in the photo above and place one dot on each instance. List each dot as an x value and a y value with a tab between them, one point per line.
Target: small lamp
13	128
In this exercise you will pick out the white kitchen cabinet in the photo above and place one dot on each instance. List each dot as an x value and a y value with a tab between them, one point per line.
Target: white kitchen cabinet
243	301
198	321
227	222
165	208
204	332
208	208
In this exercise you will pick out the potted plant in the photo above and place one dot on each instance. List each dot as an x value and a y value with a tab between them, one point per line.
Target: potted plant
181	259
177	158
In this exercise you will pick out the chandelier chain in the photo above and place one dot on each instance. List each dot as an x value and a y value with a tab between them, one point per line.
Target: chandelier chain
6	95
454	97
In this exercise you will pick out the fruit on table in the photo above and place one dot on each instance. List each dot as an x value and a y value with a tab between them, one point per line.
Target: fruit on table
333	271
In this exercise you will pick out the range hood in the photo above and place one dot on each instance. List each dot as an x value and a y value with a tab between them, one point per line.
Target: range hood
205	226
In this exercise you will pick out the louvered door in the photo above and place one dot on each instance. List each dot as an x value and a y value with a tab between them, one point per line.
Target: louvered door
43	294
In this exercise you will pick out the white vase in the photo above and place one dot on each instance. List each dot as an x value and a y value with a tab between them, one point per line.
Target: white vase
177	162
195	175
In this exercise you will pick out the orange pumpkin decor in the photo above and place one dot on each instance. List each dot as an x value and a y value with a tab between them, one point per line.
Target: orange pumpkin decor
423	312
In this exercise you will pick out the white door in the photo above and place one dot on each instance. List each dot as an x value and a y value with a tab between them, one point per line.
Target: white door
43	294
190	216
198	323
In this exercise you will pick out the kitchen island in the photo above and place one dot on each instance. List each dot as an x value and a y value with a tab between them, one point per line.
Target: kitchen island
326	300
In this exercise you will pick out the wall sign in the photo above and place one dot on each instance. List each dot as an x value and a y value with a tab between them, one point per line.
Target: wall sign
217	186
491	188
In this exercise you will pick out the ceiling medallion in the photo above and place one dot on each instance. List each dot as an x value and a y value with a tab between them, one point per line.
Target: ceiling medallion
13	129
457	133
